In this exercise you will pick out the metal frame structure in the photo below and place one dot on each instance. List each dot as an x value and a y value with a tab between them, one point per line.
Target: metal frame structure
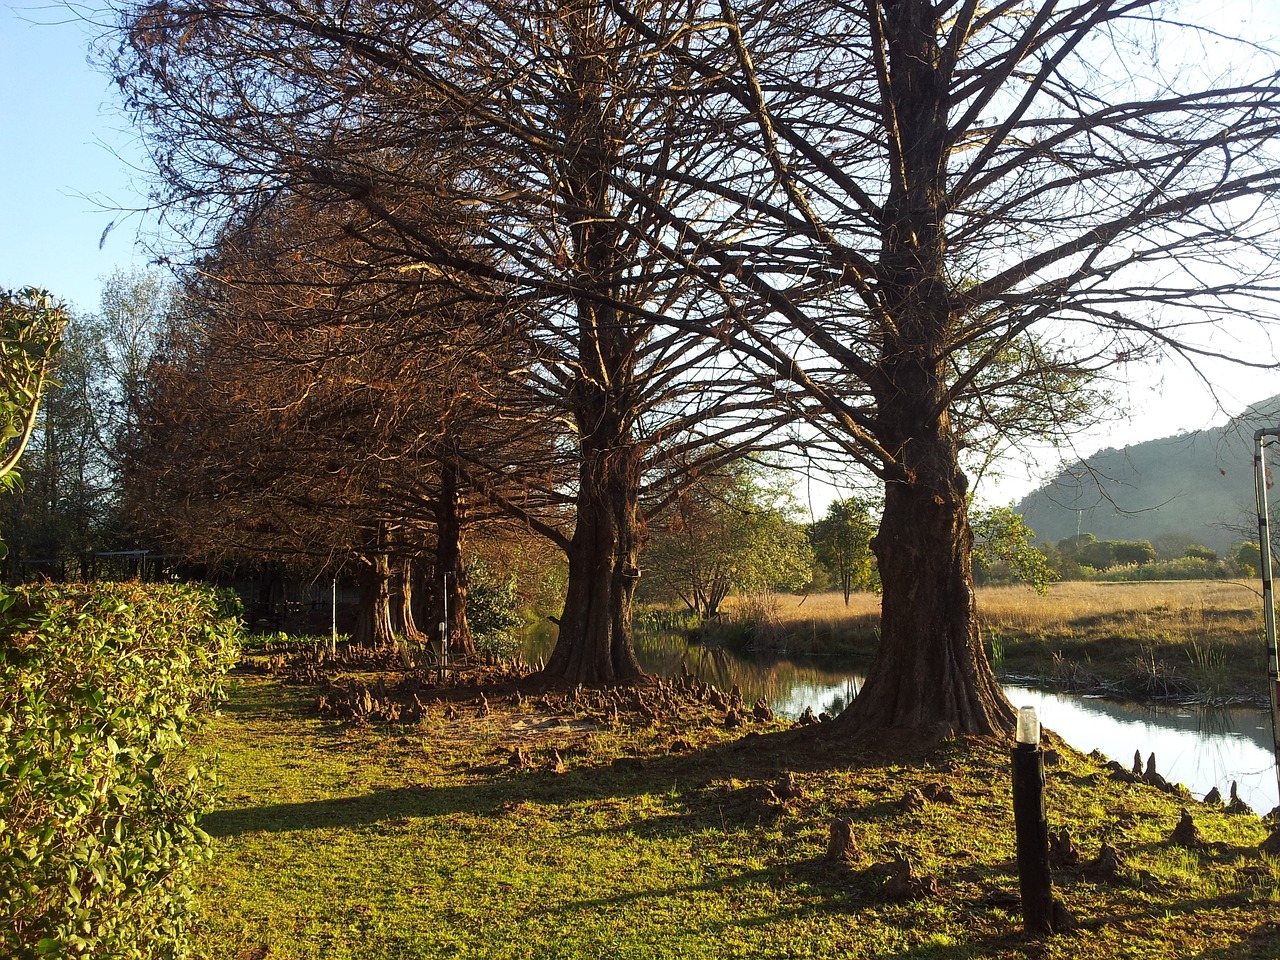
1268	596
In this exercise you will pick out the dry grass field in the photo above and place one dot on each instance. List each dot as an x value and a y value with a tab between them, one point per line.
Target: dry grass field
1198	637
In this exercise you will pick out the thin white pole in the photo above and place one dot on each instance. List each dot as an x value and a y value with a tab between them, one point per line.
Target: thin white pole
333	606
1268	596
444	627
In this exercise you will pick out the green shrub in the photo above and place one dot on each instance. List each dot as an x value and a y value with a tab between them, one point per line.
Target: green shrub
1186	568
99	685
493	610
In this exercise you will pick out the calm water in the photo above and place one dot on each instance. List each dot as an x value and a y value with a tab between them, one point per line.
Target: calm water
1201	747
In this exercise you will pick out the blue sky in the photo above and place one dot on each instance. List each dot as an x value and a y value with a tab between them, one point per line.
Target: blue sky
65	175
59	173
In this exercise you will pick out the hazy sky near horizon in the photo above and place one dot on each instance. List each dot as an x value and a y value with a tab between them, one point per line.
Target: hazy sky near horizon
65	177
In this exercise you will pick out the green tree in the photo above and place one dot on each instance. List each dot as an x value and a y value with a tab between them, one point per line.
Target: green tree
1200	552
133	319
1135	551
842	543
31	326
493	609
1247	558
64	506
1099	554
73	475
1072	546
1002	542
732	530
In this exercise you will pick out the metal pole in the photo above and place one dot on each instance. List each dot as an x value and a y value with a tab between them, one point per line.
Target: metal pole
1268	597
333	610
444	624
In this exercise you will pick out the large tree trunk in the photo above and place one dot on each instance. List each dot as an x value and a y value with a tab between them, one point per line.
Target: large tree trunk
403	619
449	596
373	618
930	674
595	646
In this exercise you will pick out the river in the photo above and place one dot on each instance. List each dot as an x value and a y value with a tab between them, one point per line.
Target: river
1200	746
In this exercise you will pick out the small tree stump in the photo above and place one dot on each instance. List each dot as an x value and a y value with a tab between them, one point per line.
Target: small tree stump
913	800
1235	804
1186	833
841	847
1062	849
556	764
903	883
938	793
787	788
1108	865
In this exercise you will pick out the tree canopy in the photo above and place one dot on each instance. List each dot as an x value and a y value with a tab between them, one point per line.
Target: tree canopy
842	543
734	530
31	326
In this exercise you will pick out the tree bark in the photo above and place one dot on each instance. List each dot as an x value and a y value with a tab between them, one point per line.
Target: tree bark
449	596
595	644
404	619
930	672
373	619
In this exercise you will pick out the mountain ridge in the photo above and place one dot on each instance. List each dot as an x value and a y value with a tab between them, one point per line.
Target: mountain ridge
1186	488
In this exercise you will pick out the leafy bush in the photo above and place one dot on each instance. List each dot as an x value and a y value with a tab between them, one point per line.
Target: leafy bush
493	610
99	685
1003	551
1187	568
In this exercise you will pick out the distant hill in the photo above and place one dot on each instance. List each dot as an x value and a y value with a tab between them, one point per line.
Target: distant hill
1189	488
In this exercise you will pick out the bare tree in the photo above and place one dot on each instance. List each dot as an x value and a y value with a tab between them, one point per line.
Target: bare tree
548	131
949	215
299	414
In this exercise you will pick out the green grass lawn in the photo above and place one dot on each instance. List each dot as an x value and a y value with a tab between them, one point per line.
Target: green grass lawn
429	841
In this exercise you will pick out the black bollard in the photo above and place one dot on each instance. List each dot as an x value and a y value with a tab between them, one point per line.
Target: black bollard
1031	827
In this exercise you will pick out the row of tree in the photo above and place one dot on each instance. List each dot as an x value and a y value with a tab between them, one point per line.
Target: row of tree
560	261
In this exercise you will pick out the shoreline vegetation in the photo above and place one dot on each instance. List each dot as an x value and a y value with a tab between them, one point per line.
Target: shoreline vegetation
1177	640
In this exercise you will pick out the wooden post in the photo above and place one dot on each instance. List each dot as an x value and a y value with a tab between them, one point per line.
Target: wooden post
1031	829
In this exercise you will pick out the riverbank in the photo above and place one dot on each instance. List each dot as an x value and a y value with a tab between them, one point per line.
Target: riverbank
499	825
1175	640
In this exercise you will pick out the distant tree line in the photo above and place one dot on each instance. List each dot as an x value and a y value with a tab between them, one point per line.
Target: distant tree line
1085	557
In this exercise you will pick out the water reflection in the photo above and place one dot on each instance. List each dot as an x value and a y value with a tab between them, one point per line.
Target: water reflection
789	687
1201	747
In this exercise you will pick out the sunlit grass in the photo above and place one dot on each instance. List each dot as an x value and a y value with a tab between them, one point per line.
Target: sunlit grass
350	842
